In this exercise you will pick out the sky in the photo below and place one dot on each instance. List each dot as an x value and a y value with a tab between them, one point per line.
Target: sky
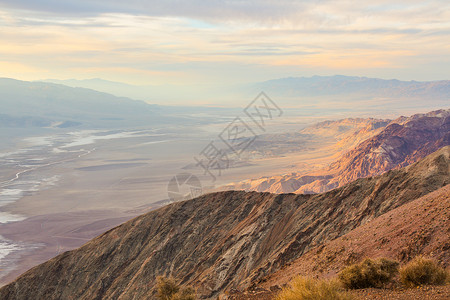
194	42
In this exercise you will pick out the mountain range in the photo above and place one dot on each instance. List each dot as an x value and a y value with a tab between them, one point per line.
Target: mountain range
39	104
379	146
323	92
44	104
340	85
386	192
227	240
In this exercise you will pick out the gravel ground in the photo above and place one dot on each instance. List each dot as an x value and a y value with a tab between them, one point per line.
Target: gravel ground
419	293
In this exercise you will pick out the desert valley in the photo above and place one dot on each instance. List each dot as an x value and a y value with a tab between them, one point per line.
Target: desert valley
62	188
226	150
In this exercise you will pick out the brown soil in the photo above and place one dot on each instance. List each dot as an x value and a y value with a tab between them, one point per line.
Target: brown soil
419	227
420	293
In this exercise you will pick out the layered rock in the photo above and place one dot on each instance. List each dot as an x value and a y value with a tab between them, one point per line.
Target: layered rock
402	142
419	227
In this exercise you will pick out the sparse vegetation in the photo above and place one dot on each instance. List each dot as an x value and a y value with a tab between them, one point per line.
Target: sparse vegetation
422	271
168	289
301	288
368	273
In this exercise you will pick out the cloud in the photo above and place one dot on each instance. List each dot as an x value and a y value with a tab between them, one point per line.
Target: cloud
218	40
212	9
307	13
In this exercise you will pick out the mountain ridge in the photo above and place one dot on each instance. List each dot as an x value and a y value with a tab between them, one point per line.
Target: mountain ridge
223	240
341	84
396	143
397	234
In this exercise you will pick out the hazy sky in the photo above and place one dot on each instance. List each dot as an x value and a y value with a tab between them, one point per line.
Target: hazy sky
210	41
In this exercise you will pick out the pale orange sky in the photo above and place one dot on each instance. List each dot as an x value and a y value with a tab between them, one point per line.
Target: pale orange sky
211	42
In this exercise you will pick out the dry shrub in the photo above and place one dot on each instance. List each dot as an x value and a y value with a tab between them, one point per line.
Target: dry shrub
185	294
302	288
368	273
422	271
168	289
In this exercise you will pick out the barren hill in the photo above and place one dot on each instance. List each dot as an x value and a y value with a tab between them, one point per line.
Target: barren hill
400	143
420	227
223	240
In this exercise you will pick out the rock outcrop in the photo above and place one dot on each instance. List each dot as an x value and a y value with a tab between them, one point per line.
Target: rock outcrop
399	143
419	227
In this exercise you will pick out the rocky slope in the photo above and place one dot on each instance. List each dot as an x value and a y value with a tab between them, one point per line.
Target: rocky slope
420	227
347	133
223	240
400	143
320	144
336	136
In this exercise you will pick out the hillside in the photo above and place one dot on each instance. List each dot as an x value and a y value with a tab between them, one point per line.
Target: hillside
328	136
378	147
223	240
418	227
403	142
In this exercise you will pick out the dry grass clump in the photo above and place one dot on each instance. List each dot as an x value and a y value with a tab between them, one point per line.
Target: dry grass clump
422	271
302	288
168	289
369	273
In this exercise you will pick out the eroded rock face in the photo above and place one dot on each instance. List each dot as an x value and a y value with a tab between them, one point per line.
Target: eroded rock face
402	142
419	227
223	240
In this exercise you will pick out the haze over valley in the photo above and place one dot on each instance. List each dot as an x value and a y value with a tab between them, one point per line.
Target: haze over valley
72	169
231	150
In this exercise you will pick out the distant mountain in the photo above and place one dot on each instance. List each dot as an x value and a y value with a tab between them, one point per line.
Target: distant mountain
223	241
380	146
403	142
163	94
39	104
348	85
291	86
43	104
112	87
326	93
